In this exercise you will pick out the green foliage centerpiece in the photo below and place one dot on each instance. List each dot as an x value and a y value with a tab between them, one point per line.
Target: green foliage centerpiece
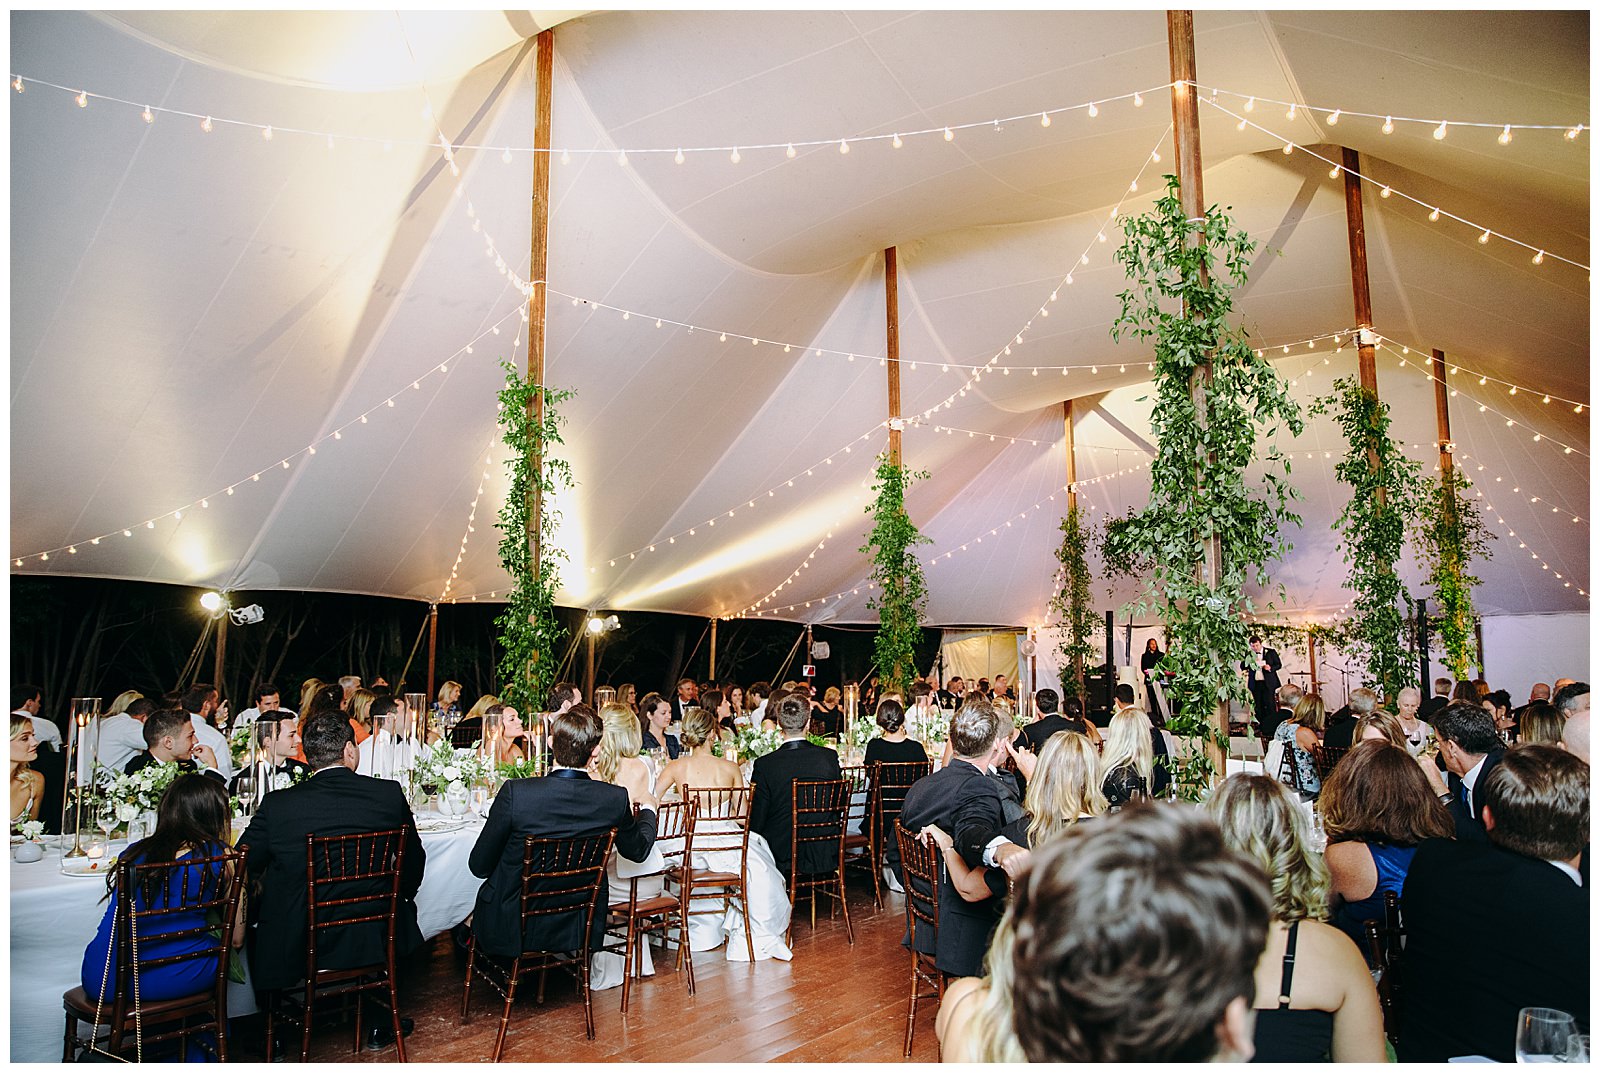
1074	603
529	629
902	592
1213	396
1386	488
1450	535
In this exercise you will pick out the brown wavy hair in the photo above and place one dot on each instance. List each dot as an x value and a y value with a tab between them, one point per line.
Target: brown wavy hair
1377	793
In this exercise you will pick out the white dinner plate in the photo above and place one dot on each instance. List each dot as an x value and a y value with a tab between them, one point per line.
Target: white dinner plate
88	866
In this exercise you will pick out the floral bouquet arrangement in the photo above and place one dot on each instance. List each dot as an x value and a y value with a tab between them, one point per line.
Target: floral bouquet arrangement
858	733
518	769
934	728
30	830
448	769
133	795
239	744
749	743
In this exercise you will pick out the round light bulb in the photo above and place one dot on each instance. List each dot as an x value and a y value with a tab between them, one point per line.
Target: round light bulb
1333	117
897	143
1250	105
1505	135
1044	119
1138	100
949	135
678	157
1434	215
1388	124
1093	110
211	601
1440	131
734	156
205	124
148	115
844	146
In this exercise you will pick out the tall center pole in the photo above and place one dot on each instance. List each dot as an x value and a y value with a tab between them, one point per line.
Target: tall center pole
433	645
1072	454
1360	289
538	270
713	673
891	301
1191	196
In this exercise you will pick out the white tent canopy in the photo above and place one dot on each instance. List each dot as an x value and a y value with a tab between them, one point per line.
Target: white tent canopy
195	313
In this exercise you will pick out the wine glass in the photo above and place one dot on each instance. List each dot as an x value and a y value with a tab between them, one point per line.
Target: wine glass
105	817
1544	1034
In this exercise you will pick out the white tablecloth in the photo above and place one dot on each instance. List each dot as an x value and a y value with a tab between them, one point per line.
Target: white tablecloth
53	917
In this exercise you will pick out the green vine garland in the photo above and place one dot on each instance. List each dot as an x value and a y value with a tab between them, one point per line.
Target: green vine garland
1074	603
1450	536
1374	535
529	629
902	592
1184	274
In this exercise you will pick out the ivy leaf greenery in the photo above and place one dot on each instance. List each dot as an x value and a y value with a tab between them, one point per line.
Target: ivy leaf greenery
1450	535
901	595
1074	603
529	629
1373	524
1214	402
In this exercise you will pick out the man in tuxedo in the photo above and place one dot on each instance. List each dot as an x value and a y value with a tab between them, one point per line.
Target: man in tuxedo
1496	925
688	696
1261	669
1441	697
277	740
1340	730
169	739
964	800
774	775
1033	736
1575	735
1289	695
1002	688
333	801
566	804
1470	749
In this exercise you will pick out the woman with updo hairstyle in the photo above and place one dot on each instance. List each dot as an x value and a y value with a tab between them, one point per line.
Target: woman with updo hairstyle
1376	806
893	746
696	765
1315	999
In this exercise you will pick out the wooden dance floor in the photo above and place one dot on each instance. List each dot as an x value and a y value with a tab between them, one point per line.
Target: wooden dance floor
833	1003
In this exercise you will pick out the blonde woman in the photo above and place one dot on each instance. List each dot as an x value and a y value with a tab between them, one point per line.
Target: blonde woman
308	689
120	705
1301	734
696	765
618	762
510	749
1127	765
448	705
1315	999
27	785
361	712
627	695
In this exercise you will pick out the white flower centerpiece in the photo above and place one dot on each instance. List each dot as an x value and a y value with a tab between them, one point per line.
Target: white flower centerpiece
748	743
442	769
31	849
133	796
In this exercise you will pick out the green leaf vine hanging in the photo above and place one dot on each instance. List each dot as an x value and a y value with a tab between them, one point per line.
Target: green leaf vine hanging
530	632
1373	526
901	593
1184	273
1451	534
1074	603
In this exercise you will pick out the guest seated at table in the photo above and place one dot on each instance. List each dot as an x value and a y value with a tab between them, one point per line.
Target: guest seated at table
717	703
511	748
191	821
1386	727
893	746
618	761
277	740
696	765
1377	807
169	739
1129	940
359	706
1315	998
1127	765
827	719
447	708
1541	724
565	804
333	801
655	715
468	732
121	736
1469	749
769	713
774	776
27	785
1050	721
1301	734
1497	925
392	746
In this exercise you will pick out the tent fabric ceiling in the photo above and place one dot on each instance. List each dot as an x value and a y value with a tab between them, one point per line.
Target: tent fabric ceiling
192	310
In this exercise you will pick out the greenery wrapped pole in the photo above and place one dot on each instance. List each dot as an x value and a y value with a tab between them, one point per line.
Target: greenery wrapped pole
901	593
1451	534
1213	398
1386	489
1074	603
529	629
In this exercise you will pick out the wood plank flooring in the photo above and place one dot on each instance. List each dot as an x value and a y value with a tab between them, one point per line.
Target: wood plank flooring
833	1003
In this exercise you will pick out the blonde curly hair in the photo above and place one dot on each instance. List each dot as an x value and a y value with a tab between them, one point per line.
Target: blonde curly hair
1260	818
622	737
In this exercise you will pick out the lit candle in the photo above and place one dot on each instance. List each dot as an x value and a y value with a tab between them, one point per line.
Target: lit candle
97	849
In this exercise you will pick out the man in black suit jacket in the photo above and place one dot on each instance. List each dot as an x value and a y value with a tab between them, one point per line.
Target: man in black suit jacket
1289	695
1033	736
964	800
1497	925
687	696
774	775
1262	671
567	803
333	801
1470	749
1435	703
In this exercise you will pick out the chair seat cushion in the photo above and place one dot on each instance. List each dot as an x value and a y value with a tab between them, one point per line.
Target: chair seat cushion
78	1002
701	876
648	907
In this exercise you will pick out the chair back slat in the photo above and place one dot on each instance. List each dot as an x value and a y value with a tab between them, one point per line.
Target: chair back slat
890	783
674	823
352	881
921	863
1327	758
195	886
713	806
561	876
820	812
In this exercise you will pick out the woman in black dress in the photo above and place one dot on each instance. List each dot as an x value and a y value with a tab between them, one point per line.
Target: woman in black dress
894	747
1148	662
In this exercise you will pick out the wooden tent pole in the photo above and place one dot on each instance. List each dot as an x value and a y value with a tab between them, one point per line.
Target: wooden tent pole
713	672
1072	454
1191	196
1360	289
891	298
538	270
433	645
1311	645
1441	412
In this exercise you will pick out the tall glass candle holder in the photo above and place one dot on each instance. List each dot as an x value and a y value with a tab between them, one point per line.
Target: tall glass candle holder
73	800
852	701
416	705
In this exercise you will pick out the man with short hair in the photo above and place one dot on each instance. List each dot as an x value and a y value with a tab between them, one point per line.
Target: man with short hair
267	700
333	801
122	736
953	693
1572	699
1341	728
1048	724
1002	688
565	804
349	683
391	747
1441	697
28	700
757	693
169	739
1470	750
563	695
963	800
277	741
200	701
1136	940
774	776
1468	969
687	696
1261	672
1575	735
1289	695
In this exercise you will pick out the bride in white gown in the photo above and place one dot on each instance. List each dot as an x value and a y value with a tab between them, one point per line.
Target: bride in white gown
768	899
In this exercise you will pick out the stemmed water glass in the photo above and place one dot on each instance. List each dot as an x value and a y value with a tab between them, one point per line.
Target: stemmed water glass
1543	1035
105	817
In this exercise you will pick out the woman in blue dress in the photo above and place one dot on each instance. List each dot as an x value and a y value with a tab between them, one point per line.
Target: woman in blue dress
191	821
